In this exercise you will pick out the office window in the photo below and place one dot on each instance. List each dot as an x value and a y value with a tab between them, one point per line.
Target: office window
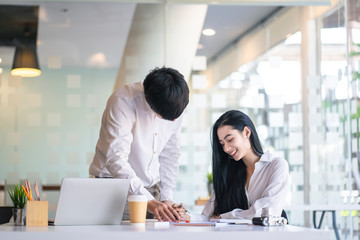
336	174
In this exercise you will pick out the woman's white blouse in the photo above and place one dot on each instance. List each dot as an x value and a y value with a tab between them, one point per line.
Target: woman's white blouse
268	187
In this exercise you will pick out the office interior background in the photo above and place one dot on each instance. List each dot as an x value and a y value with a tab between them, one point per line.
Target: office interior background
294	68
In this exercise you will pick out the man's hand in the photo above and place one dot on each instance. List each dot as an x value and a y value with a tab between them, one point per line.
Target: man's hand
168	202
163	211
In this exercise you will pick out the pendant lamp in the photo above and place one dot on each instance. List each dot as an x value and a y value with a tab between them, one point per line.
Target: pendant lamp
25	61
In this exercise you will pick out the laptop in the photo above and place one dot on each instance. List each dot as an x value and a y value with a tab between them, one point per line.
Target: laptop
91	201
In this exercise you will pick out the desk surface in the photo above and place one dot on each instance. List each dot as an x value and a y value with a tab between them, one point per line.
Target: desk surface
323	207
126	231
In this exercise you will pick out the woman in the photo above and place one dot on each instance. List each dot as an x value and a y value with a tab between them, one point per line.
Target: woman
245	178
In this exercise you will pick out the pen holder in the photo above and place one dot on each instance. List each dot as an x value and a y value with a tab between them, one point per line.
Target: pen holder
37	213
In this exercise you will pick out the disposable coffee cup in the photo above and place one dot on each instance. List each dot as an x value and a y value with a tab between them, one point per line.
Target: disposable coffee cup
137	209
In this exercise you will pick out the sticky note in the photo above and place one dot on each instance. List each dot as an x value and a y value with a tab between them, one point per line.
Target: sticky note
54	62
54	119
73	81
53	139
73	100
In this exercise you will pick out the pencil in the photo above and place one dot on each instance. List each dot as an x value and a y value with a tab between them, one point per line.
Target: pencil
26	192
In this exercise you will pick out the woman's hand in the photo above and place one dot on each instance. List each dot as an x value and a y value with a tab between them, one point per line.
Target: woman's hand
181	210
215	217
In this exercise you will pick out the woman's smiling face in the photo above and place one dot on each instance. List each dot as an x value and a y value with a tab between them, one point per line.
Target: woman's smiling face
235	143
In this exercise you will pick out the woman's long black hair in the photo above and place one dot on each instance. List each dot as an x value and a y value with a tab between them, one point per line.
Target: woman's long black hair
229	176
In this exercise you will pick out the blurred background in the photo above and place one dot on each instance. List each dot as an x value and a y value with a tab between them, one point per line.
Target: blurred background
293	66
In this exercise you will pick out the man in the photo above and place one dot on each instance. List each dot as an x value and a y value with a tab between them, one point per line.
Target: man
140	138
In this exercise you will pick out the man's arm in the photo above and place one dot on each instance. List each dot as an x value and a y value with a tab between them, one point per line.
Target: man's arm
118	137
169	169
115	144
169	164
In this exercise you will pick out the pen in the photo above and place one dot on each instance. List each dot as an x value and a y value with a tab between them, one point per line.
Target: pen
37	191
28	188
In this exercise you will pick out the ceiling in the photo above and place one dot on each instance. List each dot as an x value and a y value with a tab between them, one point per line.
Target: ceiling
83	34
95	33
231	23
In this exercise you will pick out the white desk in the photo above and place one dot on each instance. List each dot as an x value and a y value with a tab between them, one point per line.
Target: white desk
126	231
323	208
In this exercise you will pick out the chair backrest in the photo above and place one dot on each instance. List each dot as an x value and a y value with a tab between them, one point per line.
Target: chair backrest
283	214
5	214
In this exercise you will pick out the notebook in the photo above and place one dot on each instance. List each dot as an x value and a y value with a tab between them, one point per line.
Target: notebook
91	201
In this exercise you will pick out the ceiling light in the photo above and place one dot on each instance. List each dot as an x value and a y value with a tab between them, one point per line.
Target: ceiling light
208	32
25	62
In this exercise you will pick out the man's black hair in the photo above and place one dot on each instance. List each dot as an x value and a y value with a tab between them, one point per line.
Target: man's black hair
166	92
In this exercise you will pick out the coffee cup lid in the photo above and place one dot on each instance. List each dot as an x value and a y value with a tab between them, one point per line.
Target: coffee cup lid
137	198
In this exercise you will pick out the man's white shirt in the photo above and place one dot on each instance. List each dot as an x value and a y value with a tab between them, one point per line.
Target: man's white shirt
136	144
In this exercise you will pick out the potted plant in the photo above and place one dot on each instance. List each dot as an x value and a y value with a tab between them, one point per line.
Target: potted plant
18	197
210	183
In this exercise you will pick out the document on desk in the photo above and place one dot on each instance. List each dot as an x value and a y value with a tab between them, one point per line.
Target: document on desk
232	221
201	224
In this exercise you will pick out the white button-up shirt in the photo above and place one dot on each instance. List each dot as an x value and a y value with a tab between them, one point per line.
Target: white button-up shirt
268	187
135	144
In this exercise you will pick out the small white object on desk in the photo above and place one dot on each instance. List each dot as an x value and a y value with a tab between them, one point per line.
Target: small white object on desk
161	225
